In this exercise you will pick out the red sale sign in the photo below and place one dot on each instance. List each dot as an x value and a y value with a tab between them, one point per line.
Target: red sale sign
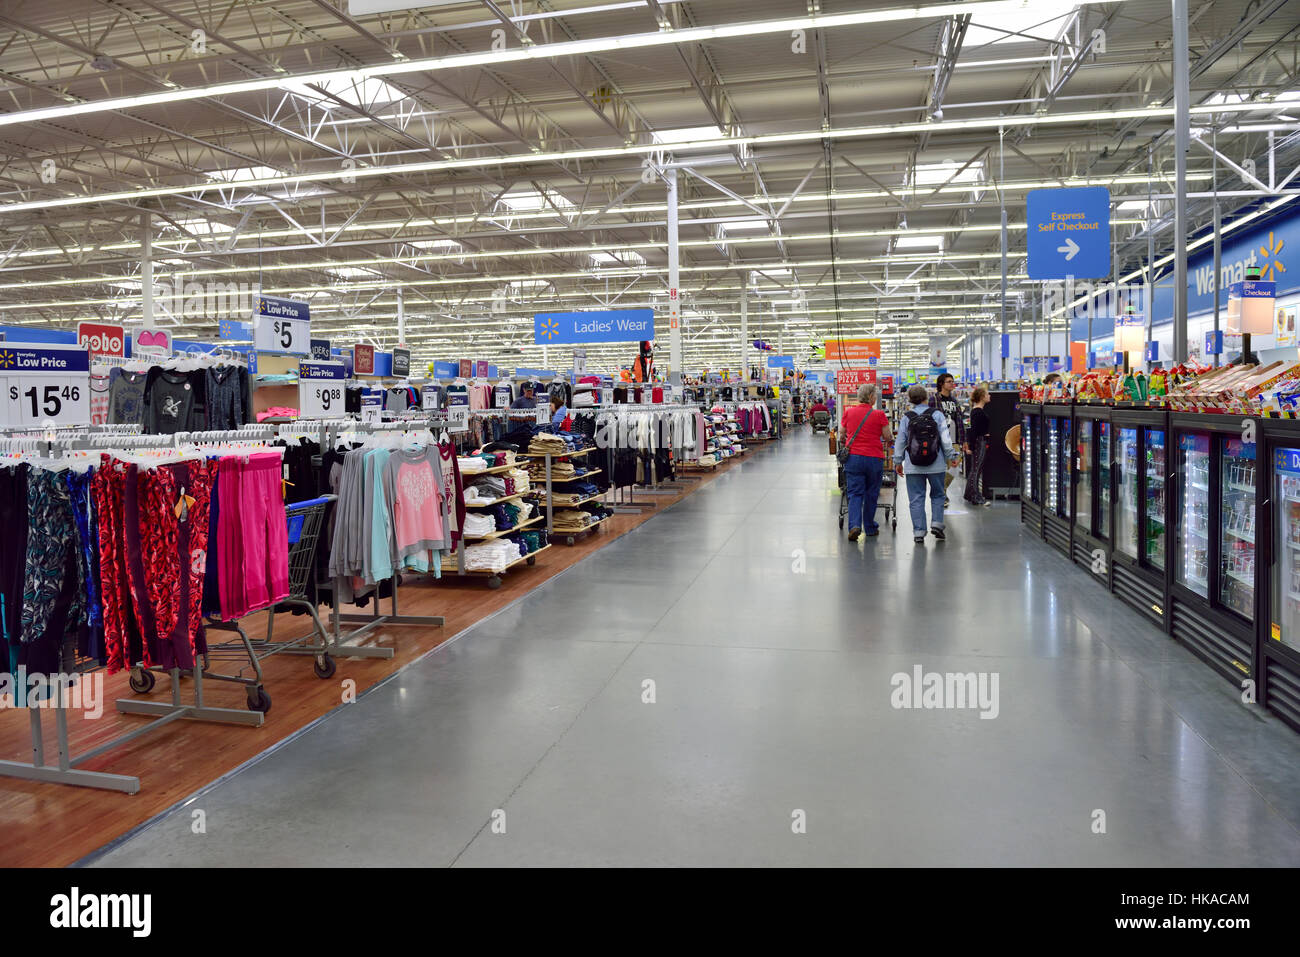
102	339
848	380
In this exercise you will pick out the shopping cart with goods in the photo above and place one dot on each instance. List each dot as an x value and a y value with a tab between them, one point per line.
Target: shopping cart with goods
306	521
888	481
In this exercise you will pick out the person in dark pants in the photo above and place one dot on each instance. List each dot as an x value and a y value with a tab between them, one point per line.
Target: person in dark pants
866	429
946	402
978	439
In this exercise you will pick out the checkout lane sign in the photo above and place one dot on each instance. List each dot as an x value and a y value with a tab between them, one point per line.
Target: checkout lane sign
1069	232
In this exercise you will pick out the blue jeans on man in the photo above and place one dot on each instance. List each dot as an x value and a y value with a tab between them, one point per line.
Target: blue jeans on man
862	477
917	483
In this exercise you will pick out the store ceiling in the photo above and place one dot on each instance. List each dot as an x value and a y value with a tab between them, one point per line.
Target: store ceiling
460	184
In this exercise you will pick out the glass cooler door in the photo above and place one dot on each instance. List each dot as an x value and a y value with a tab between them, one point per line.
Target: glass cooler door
1083	481
1103	480
1237	528
1286	570
1126	465
1063	463
1192	538
1153	519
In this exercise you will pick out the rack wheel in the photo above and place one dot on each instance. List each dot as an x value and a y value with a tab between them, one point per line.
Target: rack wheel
569	539
841	523
494	581
324	666
893	525
532	560
259	700
142	681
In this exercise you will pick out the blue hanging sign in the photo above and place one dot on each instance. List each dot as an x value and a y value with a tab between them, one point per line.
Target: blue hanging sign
1153	351
1287	460
17	359
445	370
1214	342
320	349
614	325
780	362
1069	232
234	329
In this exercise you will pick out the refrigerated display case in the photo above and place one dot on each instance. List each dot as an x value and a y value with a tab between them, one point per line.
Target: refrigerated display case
1278	633
1031	479
1057	471
1092	494
1215	515
1138	573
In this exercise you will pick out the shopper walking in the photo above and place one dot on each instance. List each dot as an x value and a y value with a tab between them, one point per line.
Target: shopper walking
868	429
947	403
922	452
978	441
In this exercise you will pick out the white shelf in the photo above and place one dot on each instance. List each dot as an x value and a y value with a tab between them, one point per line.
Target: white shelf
1240	535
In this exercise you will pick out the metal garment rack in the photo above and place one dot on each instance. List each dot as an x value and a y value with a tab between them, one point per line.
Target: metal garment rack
330	430
654	486
65	770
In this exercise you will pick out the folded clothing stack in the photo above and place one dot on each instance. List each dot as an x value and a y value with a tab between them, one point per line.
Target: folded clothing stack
559	470
709	459
471	464
570	520
544	442
505	516
488	487
520	479
491	556
479	523
597	511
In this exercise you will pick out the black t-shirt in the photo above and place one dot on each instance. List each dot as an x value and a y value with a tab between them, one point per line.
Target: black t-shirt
979	424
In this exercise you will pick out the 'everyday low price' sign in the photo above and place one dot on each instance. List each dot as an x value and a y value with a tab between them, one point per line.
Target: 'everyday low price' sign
44	385
320	389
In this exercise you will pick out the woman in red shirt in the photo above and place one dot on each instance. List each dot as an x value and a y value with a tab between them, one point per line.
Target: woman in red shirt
867	431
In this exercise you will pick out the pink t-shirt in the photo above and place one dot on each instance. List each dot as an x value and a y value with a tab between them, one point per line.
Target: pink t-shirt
417	502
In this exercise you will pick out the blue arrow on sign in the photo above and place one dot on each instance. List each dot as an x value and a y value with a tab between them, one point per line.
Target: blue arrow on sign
1069	232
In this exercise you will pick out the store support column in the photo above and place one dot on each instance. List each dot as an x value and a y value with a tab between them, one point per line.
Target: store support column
744	328
146	269
1182	142
674	289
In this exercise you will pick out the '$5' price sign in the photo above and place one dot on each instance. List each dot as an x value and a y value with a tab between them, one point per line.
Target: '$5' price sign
45	385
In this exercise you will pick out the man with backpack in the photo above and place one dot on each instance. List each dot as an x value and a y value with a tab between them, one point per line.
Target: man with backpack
923	450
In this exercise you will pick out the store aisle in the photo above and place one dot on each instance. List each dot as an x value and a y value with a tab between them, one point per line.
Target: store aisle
772	646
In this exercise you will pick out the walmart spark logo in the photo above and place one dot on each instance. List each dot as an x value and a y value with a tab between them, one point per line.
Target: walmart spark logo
550	329
1272	265
6	359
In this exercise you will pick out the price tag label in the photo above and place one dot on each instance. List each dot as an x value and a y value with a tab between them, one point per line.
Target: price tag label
458	416
372	409
44	385
320	389
281	325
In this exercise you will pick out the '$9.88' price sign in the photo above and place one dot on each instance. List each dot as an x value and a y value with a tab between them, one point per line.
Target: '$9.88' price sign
45	385
320	389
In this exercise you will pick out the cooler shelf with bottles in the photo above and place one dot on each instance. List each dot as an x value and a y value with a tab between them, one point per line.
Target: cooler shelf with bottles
1278	688
1142	476
1092	489
1215	516
1031	476
1056	468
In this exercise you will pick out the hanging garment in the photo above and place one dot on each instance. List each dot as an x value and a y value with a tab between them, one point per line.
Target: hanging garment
126	398
169	403
225	398
53	590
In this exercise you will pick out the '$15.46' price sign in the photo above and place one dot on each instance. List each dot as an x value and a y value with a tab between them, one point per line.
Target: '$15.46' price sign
320	389
45	385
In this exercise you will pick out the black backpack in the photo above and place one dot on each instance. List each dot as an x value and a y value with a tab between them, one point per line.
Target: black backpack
922	437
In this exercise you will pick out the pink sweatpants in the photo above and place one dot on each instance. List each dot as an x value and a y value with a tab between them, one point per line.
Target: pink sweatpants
254	539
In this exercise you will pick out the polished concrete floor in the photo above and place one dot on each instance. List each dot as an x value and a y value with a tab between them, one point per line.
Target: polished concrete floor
769	646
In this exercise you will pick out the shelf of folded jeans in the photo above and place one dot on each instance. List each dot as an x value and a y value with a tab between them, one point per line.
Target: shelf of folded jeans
469	503
530	557
561	502
572	478
500	532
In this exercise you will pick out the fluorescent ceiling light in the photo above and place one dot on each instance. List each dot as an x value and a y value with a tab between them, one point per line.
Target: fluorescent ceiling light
531	201
528	285
242	174
687	134
352	272
919	242
439	244
754	224
536	51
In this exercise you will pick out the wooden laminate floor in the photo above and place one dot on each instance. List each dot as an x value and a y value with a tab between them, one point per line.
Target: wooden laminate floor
56	824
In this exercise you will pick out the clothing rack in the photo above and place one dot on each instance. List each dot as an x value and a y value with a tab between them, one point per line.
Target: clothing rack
623	495
65	769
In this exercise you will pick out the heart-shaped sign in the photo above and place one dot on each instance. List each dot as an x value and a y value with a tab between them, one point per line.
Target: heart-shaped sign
157	339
